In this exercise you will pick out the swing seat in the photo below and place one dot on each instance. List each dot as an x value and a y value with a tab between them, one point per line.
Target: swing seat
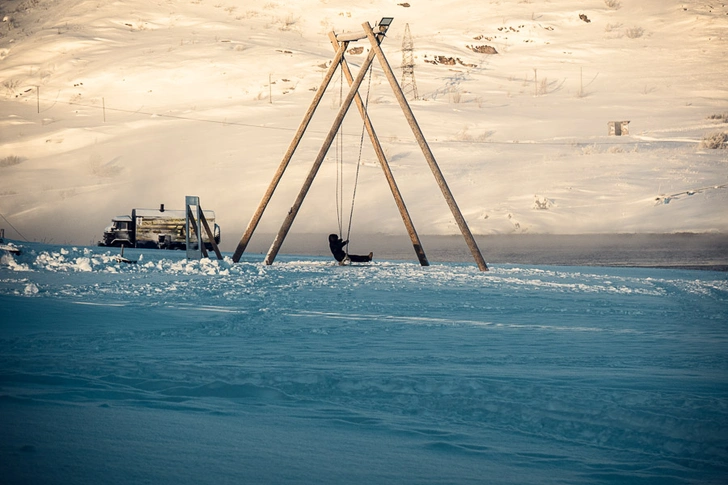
345	262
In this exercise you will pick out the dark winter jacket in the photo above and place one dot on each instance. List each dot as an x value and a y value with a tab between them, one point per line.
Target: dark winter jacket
336	244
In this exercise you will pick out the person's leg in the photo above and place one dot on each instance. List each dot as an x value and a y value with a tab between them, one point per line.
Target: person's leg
355	258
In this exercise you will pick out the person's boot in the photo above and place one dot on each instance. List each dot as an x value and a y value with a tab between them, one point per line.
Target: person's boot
371	255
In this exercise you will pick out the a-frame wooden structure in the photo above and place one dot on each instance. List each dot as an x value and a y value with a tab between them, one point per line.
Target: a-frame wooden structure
340	43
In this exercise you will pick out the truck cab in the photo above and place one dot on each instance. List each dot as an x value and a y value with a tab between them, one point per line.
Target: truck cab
120	232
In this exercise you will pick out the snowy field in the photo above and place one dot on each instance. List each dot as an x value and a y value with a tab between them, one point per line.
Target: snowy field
176	371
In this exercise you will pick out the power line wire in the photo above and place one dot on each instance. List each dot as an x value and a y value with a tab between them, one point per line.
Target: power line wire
179	117
280	128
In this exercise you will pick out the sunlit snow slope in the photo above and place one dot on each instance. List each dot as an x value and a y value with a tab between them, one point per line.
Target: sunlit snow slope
107	106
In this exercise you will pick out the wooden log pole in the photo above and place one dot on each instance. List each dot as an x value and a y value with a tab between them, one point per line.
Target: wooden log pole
191	216
253	224
288	222
416	244
210	234
440	179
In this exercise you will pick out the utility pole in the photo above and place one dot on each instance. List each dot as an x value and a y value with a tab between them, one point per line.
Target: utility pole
409	85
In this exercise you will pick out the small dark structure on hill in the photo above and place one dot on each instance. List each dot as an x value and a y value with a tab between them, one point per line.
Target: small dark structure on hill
618	128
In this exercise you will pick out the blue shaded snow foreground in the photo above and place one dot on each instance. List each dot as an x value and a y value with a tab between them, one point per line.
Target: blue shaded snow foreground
171	371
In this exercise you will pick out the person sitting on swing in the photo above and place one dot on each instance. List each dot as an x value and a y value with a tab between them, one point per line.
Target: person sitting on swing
336	244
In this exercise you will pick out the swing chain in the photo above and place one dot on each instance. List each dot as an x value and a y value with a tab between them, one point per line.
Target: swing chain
358	162
340	163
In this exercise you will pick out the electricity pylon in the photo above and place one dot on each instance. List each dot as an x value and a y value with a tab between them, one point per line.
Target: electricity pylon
409	85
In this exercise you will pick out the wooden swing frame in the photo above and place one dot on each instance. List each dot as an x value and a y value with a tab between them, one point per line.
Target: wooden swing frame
340	44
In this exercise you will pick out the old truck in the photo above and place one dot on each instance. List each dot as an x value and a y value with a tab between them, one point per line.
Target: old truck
156	228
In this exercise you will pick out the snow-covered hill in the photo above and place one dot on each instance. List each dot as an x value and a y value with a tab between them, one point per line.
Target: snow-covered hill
108	106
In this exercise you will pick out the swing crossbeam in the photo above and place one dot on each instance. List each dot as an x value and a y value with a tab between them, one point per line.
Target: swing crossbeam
340	43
